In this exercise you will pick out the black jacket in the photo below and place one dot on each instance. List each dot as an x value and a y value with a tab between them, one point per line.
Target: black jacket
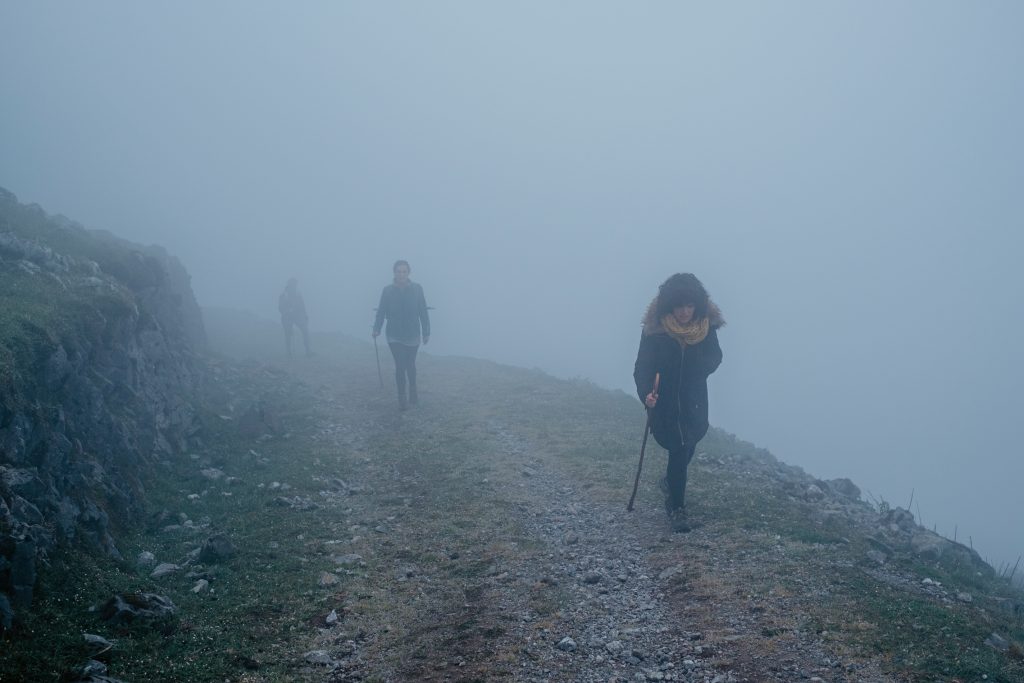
683	388
405	309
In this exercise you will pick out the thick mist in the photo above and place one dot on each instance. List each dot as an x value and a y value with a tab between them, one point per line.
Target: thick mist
844	178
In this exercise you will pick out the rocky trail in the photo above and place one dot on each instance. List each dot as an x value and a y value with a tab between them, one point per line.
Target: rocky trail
466	551
320	534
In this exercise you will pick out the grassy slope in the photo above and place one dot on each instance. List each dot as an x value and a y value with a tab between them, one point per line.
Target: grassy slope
267	602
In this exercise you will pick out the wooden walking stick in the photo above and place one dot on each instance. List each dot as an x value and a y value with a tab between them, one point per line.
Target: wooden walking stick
380	375
643	445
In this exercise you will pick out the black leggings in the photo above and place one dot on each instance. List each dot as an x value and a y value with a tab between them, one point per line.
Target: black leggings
680	439
405	368
302	324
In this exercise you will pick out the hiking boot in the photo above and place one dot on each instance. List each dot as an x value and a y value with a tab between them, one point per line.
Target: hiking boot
663	487
680	524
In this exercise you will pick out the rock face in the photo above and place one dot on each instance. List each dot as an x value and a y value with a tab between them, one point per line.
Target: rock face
99	359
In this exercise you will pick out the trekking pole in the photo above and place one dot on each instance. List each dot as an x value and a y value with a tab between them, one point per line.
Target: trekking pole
643	445
376	352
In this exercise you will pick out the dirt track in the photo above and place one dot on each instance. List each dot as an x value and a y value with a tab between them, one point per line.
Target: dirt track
483	551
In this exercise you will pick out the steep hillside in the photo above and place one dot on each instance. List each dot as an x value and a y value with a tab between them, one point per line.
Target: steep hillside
170	512
98	369
318	534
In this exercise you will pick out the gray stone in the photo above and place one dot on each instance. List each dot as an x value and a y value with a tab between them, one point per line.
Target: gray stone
94	668
613	647
145	559
844	487
877	556
201	585
567	644
97	641
928	545
592	578
129	607
813	492
164	569
212	473
669	572
350	560
319	657
25	511
900	518
218	548
998	642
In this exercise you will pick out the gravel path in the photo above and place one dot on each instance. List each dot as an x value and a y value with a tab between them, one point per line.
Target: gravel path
499	565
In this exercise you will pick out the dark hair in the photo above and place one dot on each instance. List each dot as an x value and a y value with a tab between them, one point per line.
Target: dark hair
683	289
400	262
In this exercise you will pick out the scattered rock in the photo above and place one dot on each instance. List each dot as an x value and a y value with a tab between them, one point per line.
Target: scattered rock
164	569
844	487
129	607
218	548
567	644
998	642
319	657
350	560
98	642
877	556
145	559
201	585
669	572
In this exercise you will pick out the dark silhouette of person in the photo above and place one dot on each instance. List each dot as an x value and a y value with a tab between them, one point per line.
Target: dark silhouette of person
293	312
679	342
403	305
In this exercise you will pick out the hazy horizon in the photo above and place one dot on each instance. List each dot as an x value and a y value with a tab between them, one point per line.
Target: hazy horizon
845	180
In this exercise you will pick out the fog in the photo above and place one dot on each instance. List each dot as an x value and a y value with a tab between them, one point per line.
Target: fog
845	178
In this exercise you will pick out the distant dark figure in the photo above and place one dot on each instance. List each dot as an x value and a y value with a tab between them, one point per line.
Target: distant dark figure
679	342
293	312
403	305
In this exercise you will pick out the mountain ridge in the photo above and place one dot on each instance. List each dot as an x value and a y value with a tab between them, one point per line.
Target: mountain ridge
260	518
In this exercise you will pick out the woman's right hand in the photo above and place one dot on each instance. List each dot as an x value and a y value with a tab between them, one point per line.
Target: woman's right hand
651	400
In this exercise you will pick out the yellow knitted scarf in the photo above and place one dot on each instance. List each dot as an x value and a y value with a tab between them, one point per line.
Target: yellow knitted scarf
689	334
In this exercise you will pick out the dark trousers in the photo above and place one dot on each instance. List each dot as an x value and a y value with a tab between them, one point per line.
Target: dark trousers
405	371
303	325
679	437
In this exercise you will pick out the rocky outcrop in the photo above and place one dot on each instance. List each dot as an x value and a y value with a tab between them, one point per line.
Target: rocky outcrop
891	532
99	361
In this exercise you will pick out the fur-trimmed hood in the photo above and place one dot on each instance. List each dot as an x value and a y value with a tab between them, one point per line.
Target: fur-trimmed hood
652	325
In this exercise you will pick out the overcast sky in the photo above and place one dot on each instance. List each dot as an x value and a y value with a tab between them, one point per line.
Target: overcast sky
846	179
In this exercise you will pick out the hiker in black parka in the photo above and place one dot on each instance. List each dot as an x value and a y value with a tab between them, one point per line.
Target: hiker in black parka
403	305
293	312
679	342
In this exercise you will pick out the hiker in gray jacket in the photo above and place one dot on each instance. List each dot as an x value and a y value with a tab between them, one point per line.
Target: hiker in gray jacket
403	305
293	312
